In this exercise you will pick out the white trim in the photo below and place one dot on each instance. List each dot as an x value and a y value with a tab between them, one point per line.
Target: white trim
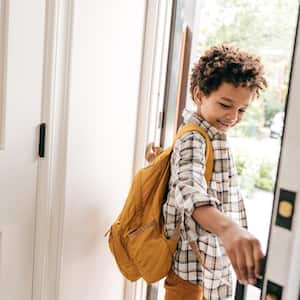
4	8
152	84
146	82
52	168
160	65
153	76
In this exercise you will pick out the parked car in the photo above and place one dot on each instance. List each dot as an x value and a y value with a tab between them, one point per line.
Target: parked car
276	128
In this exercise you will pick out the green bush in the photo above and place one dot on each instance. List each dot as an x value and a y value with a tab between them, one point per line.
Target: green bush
247	173
266	176
240	165
253	173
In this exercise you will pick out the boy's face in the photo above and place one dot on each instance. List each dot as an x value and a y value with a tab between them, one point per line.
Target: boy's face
224	107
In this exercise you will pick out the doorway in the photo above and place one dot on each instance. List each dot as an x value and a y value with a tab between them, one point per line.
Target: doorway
268	30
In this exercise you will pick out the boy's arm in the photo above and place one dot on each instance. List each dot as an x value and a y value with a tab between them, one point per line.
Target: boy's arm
243	249
191	195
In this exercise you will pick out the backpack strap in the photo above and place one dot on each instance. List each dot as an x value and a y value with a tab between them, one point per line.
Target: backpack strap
209	154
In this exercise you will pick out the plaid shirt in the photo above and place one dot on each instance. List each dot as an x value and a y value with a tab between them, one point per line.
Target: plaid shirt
187	190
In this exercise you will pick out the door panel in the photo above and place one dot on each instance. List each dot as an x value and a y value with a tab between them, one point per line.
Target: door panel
18	158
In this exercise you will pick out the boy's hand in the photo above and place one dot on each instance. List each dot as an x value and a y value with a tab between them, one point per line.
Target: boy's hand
244	252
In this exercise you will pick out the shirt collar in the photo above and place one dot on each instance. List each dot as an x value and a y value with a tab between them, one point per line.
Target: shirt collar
194	118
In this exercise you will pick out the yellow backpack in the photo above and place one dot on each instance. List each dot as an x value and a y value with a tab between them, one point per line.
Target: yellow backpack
137	238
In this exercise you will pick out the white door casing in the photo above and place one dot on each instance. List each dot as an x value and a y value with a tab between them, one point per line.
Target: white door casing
52	168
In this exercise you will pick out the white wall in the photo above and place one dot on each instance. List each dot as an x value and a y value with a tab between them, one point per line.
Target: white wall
106	65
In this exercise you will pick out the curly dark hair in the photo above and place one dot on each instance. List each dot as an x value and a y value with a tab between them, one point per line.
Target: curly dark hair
227	64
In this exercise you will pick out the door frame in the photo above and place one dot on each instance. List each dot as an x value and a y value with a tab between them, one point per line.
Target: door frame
52	168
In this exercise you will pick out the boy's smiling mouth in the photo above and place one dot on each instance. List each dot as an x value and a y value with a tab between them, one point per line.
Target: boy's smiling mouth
224	125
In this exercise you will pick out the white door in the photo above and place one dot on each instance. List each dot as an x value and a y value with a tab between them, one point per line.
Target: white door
19	149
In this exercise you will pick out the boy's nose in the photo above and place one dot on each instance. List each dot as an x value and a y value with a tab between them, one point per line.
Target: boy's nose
232	117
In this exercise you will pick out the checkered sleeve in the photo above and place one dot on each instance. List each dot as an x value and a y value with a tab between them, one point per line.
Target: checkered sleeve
189	168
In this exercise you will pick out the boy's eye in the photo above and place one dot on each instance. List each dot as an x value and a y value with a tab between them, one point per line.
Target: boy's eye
225	105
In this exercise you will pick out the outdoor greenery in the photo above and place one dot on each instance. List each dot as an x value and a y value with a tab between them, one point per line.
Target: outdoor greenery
255	173
266	28
264	179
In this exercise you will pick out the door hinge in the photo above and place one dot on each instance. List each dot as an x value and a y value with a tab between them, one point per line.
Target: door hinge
42	140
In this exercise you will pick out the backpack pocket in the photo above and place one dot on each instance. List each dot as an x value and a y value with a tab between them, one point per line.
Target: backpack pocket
123	260
151	252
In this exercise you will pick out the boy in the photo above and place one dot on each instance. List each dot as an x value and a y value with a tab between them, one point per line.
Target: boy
224	82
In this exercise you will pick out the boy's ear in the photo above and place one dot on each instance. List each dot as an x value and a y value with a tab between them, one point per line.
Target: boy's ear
197	95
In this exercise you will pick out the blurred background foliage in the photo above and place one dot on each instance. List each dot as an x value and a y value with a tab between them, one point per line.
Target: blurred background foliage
255	173
265	28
